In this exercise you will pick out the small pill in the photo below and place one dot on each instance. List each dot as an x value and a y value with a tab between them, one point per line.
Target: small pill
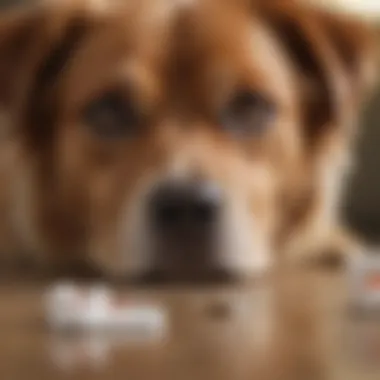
97	308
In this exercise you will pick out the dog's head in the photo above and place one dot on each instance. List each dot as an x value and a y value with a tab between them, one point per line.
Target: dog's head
166	135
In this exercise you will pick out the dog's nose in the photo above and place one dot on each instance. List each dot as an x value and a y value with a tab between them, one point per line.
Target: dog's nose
186	209
186	228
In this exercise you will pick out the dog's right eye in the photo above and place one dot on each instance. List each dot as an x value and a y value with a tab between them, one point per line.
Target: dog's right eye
248	113
112	116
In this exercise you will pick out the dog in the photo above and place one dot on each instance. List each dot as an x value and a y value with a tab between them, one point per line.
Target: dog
178	139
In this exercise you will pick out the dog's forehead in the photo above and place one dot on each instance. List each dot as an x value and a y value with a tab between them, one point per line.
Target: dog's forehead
183	43
178	27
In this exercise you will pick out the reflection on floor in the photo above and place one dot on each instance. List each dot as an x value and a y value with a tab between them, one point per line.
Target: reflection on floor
294	326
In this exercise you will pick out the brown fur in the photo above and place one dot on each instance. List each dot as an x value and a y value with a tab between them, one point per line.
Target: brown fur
64	190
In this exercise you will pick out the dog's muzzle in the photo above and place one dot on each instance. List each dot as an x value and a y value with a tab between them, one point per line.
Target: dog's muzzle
185	221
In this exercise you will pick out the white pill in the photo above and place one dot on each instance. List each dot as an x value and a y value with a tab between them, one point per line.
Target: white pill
98	309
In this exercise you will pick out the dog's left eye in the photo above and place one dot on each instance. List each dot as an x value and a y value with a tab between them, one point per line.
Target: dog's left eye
112	116
248	113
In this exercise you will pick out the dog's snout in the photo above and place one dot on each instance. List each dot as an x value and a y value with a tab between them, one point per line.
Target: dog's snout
186	222
186	208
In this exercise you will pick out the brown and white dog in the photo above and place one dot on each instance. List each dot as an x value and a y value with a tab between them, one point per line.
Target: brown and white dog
183	138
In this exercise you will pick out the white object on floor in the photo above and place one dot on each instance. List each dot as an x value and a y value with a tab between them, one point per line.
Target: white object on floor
97	308
364	281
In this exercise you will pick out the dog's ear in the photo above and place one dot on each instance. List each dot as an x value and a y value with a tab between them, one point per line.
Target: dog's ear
355	44
333	56
19	31
35	44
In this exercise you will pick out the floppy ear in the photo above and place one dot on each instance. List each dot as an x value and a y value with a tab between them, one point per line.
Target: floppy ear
356	47
35	45
19	29
333	57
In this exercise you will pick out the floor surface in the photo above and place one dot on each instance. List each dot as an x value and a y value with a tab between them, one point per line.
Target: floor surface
295	326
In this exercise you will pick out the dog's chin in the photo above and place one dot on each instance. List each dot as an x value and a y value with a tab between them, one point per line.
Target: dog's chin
178	273
206	276
189	276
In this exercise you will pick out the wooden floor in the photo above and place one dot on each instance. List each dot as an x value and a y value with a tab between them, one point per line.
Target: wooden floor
295	326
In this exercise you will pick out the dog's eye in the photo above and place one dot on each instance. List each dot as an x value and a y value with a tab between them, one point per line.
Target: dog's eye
112	116
248	113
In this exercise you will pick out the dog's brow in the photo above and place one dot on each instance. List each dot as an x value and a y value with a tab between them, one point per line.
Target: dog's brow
41	107
61	53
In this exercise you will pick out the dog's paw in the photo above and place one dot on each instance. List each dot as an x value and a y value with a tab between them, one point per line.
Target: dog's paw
334	249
